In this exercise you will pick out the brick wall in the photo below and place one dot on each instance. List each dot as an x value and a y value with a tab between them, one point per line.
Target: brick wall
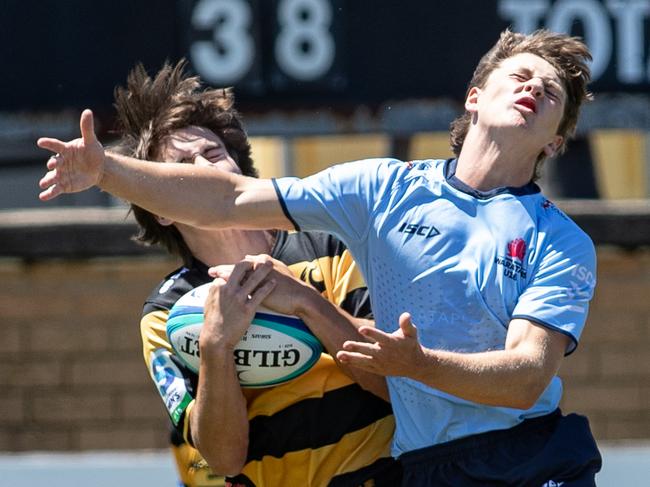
608	377
73	378
71	367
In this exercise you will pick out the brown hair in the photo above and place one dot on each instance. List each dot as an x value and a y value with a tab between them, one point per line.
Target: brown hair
150	109
568	55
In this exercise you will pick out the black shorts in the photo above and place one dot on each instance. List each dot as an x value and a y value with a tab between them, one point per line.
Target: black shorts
385	472
549	451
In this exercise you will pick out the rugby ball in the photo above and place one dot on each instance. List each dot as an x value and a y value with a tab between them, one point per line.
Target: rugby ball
275	349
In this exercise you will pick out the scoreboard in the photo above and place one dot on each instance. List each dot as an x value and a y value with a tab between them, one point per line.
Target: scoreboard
288	53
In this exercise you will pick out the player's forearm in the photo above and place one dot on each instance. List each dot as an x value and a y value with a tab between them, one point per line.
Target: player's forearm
333	326
507	378
219	419
190	194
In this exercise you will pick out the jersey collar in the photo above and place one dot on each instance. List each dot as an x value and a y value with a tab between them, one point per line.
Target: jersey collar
450	175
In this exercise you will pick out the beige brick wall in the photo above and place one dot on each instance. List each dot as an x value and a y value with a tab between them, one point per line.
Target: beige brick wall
71	365
608	378
73	378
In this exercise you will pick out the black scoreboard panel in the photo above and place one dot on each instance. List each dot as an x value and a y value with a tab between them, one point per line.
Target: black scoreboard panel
285	53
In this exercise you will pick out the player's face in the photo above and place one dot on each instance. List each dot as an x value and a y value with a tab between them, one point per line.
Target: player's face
200	146
524	91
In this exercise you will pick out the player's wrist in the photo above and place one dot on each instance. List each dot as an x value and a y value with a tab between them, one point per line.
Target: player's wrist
214	348
104	162
217	362
307	303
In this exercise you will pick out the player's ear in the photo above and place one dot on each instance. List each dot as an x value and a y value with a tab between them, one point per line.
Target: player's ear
471	101
165	222
552	147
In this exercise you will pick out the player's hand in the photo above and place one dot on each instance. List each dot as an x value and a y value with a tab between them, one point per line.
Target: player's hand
225	270
385	353
231	304
289	293
76	165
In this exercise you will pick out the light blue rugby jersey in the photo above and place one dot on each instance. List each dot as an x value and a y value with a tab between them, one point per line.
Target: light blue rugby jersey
462	262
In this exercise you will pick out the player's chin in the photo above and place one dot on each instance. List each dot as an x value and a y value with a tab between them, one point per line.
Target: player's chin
522	117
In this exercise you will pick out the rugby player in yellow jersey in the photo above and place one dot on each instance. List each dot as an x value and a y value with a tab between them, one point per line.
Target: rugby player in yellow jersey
319	429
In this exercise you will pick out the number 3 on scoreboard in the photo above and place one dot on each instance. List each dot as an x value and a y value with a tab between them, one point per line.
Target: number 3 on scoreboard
229	56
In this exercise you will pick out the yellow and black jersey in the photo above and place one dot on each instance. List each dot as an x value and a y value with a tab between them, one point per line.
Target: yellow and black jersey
320	429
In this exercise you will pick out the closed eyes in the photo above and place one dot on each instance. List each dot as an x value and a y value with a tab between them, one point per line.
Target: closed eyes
549	88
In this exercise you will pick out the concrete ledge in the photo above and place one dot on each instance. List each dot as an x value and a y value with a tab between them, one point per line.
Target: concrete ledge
623	223
69	233
101	232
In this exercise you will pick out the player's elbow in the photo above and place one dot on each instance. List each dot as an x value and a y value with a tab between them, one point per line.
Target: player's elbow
524	402
518	400
226	468
224	456
529	393
225	462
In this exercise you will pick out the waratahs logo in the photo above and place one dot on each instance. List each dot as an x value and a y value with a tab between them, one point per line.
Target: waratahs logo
517	249
513	262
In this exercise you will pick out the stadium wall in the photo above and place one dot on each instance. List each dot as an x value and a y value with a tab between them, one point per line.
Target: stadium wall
71	367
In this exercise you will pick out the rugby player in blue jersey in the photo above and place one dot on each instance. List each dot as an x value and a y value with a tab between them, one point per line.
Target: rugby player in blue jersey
479	284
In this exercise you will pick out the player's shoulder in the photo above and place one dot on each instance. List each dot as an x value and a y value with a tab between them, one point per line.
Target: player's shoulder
416	171
176	284
560	228
389	173
552	215
383	166
409	167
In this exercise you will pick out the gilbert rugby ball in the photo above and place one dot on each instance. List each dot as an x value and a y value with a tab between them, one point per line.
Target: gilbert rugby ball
275	349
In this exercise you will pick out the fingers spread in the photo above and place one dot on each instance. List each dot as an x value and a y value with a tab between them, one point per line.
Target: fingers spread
87	126
52	162
54	145
50	193
374	333
356	359
407	326
48	180
361	347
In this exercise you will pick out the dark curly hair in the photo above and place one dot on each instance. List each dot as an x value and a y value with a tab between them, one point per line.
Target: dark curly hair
568	55
150	109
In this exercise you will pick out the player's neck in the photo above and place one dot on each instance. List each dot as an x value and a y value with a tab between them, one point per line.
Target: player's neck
489	161
227	246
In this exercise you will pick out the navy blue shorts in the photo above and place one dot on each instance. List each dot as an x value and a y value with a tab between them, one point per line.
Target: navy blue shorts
549	451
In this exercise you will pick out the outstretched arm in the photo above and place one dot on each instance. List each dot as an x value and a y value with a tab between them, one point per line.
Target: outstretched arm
198	196
514	377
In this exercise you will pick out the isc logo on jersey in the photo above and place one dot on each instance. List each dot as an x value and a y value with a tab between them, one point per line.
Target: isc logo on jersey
275	349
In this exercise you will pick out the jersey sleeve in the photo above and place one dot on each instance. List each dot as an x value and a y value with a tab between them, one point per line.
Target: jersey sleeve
349	286
563	283
170	376
338	200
